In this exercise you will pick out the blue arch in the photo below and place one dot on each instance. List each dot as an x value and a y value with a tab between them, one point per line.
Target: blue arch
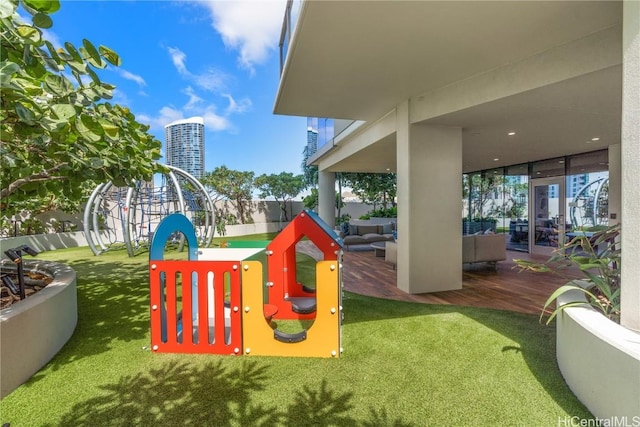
169	225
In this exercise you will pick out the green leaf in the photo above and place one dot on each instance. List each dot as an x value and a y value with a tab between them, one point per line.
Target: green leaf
85	132
92	54
71	49
95	163
8	8
59	85
92	124
54	56
31	34
109	128
7	70
42	20
64	111
45	6
111	57
25	114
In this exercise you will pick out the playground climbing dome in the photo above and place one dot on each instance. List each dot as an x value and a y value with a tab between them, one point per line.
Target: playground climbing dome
128	216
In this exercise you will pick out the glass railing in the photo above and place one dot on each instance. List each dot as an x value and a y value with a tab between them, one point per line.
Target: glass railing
288	25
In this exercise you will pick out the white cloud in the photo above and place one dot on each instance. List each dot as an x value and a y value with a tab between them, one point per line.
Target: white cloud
215	122
211	80
130	76
241	106
165	116
178	57
251	27
194	99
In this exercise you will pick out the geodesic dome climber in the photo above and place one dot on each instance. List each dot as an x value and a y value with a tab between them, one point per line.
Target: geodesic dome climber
220	301
116	217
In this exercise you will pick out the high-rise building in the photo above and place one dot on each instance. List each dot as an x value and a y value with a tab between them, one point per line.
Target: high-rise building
185	145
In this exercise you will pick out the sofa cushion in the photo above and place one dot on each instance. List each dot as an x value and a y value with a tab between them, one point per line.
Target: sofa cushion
385	228
353	230
354	239
367	229
372	237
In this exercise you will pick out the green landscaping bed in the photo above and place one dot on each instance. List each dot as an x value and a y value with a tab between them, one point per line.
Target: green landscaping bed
403	364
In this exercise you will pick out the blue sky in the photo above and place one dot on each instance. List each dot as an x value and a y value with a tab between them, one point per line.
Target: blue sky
215	59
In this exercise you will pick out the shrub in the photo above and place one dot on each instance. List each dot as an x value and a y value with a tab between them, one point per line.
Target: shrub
598	257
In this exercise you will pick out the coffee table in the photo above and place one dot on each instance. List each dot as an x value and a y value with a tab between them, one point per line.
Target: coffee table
379	248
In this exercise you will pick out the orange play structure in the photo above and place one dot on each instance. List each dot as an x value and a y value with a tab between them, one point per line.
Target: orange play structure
217	301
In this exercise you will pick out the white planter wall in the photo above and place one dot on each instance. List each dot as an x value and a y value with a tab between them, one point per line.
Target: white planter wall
34	330
600	361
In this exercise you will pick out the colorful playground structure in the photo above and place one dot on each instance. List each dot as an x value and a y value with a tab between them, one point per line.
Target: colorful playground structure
220	301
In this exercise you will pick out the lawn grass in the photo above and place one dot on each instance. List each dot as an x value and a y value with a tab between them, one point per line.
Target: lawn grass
404	364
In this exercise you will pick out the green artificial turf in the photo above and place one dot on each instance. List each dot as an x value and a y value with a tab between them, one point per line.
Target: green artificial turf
403	364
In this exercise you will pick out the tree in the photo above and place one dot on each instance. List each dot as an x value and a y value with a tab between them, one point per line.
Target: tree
373	188
283	188
235	186
58	137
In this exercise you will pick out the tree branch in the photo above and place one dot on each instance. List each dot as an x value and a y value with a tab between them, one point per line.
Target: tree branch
41	177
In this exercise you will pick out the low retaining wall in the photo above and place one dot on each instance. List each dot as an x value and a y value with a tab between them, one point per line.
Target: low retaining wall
45	242
35	329
247	229
600	361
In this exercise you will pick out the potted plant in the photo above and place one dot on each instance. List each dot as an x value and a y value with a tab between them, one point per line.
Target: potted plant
598	257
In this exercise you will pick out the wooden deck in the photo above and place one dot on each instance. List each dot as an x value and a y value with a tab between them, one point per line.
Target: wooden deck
505	289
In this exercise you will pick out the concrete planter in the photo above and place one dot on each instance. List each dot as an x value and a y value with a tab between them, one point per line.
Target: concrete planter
600	361
34	330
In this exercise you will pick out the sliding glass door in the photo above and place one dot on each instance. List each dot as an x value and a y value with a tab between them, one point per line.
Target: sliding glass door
547	214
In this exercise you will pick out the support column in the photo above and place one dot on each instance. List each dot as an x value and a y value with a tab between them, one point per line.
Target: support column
429	174
614	204
630	281
327	197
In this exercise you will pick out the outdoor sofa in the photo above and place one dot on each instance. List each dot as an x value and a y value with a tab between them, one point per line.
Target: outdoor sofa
366	233
489	248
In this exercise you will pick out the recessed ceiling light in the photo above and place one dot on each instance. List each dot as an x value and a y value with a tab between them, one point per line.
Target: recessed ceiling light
595	139
511	133
496	159
388	169
560	161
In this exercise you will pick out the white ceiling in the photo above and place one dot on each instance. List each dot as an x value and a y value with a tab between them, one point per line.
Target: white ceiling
359	59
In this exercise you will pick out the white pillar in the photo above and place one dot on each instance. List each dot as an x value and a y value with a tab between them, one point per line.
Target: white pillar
630	282
327	197
429	171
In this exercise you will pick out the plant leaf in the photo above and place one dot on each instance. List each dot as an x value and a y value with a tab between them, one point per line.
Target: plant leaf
42	20
45	6
29	33
93	56
7	8
64	111
110	56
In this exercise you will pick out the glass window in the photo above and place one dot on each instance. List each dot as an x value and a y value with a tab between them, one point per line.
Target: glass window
548	168
517	206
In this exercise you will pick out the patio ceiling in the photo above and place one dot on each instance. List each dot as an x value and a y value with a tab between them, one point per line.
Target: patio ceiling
358	60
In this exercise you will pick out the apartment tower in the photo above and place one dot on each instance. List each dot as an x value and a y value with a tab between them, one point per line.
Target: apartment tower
185	145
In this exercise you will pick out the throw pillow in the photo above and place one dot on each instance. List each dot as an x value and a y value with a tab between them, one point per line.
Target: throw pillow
344	228
353	230
386	228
